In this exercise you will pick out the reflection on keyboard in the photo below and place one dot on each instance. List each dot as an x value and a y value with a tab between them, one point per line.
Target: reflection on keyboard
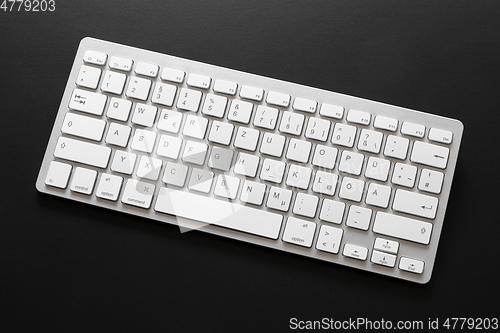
316	173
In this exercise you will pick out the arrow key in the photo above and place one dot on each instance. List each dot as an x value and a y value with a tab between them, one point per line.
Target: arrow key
329	239
383	259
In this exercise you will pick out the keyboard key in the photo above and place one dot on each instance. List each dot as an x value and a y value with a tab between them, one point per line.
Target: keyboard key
272	171
265	117
317	129
149	168
220	159
404	175
396	147
58	174
169	146
225	87
246	138
386	123
82	152
415	204
137	193
86	101
227	186
123	162
298	150
109	187
351	162
195	127
355	252
175	174
88	77
172	75
278	99
359	117
143	140
370	141
221	133
144	115
279	199
304	105
305	205
402	227
138	88
329	239
194	152
121	64
118	135
201	180
377	168
291	123
359	217
332	211
378	195
252	93
429	154
325	182
119	109
325	157
299	232
219	213
411	265
170	121
214	106
298	176
383	259
412	129
96	58
189	100
246	165
113	82
164	94
83	180
240	111
199	81
431	181
272	144
331	111
146	69
385	245
253	193
351	189
343	135
84	127
440	135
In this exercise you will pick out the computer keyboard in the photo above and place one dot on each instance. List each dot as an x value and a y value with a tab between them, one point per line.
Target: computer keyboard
299	169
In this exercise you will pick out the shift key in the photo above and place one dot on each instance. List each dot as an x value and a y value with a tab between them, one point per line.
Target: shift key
82	152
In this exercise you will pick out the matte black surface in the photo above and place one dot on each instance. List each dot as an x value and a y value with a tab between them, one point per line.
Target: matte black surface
71	267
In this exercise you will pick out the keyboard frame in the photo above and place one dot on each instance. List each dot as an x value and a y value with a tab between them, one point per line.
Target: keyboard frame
426	253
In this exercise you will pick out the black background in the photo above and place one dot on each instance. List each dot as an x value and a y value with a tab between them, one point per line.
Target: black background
65	266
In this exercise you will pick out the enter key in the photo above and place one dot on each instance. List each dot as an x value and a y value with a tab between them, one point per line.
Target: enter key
415	204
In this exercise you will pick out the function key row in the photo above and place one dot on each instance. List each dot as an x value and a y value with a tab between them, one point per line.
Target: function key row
89	77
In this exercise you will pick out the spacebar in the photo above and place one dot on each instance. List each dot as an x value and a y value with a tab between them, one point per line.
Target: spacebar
218	212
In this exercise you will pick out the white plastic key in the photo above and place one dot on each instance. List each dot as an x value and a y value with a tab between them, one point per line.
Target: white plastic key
143	140
265	117
138	88
220	159
359	117
317	129
415	204
272	171
163	94
58	174
189	100
88	77
225	87
386	245
396	147
82	126
344	135
332	211
144	115
137	193
329	239
429	154
278	99
199	81
291	123
331	111
146	69
298	150
119	109
172	75
413	129
214	106
411	265
170	121
325	157
201	180
359	217
123	162
118	135
441	136
86	101
175	174
149	168
386	123
83	180
279	199
325	182
355	252
194	152
219	212
82	152
195	127
299	232
221	132
169	146
240	111
402	227
122	64
305	205
351	189
298	177
96	58
113	82
226	186
304	105
246	165
252	93
253	193
109	187
246	138
383	259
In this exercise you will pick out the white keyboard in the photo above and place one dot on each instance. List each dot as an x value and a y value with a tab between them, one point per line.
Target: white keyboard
303	170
